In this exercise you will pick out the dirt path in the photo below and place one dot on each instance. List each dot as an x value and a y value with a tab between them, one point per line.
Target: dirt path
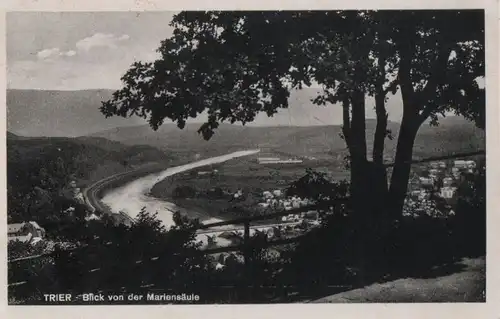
467	285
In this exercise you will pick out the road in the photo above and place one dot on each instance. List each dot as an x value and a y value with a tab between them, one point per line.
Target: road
238	228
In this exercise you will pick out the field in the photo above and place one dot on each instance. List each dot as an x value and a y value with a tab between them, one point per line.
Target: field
244	174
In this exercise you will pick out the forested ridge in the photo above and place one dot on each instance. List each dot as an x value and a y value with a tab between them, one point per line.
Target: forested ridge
41	169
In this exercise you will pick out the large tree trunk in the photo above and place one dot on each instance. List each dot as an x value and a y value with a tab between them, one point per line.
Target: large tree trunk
357	149
365	186
378	176
401	171
368	179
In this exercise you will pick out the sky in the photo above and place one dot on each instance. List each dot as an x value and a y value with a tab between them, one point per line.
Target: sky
92	50
79	50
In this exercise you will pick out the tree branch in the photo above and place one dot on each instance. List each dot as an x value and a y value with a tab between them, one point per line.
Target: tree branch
403	78
380	111
438	77
346	127
357	139
393	86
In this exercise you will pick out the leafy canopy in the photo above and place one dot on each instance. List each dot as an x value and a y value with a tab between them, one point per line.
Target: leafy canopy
235	65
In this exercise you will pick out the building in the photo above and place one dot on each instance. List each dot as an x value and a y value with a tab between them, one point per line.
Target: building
28	232
447	192
201	173
238	194
312	214
470	164
264	160
268	159
296	204
433	171
92	217
267	195
426	181
460	164
277	192
447	181
276	160
416	193
263	205
420	194
434	165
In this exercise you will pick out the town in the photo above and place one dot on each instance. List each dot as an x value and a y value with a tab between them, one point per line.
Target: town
429	183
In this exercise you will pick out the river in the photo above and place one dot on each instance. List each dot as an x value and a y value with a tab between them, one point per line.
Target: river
133	196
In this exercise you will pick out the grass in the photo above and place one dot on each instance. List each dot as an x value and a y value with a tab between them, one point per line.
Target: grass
241	173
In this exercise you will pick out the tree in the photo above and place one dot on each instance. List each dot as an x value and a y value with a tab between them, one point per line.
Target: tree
470	209
237	64
316	186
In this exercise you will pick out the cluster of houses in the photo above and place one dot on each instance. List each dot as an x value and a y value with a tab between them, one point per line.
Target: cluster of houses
449	177
312	217
425	206
277	200
74	192
31	232
277	160
27	232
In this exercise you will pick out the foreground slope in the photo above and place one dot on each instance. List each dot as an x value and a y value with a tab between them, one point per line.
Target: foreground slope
465	285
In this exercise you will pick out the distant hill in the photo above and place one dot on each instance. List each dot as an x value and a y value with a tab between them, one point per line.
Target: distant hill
48	164
81	157
76	113
454	134
59	113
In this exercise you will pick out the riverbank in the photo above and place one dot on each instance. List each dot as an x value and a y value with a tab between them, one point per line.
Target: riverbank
133	196
210	189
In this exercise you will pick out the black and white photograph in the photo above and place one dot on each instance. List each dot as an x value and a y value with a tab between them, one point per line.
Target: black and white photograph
246	157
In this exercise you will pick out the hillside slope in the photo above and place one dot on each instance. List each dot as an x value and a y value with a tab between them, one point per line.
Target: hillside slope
47	165
454	134
465	285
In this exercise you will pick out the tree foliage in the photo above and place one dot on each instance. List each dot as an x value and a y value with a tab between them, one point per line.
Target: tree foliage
235	65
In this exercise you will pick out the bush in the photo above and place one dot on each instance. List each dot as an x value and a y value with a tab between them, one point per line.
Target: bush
184	192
